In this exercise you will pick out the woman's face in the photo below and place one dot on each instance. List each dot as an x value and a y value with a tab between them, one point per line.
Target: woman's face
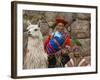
60	27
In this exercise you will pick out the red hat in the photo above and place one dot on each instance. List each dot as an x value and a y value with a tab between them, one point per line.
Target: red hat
58	20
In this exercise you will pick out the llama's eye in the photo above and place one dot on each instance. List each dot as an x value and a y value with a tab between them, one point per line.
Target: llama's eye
35	29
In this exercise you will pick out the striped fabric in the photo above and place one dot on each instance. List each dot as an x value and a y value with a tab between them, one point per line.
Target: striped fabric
55	43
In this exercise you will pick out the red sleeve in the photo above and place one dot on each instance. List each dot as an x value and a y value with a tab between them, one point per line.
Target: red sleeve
68	41
46	41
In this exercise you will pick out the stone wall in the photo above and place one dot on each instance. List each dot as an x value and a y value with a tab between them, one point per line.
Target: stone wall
81	29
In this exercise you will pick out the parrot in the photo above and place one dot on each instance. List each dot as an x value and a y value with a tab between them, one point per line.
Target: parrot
76	41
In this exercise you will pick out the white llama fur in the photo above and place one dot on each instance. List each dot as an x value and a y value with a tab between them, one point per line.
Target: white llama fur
35	56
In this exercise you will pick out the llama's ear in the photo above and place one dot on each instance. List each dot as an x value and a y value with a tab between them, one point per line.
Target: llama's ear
39	25
28	27
29	23
39	22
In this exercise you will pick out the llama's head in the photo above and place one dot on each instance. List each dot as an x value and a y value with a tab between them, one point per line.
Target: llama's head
34	31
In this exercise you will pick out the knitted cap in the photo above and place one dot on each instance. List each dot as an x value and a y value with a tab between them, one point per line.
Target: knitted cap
58	20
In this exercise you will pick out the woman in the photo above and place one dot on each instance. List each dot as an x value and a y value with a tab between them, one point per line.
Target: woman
56	42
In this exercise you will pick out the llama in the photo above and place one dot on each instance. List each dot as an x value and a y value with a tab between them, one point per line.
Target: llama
35	56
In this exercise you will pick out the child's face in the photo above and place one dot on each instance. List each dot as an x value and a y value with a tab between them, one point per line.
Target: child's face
60	27
76	54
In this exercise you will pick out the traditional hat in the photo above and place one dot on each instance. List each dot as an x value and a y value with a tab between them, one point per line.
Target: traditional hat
58	20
